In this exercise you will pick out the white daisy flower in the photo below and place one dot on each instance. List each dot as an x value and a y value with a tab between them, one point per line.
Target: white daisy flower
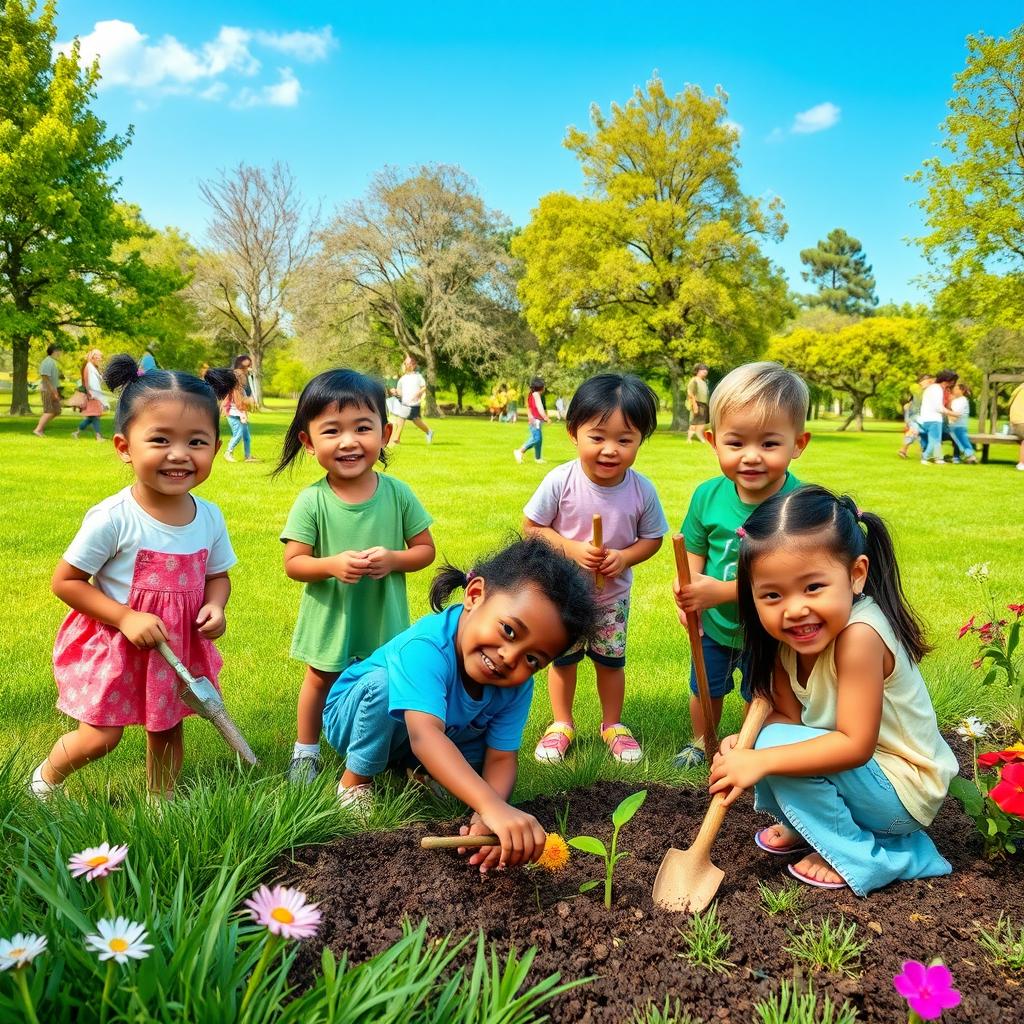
20	950
979	571
119	940
972	729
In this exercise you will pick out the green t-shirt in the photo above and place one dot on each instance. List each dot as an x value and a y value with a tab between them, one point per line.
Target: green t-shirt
714	515
341	621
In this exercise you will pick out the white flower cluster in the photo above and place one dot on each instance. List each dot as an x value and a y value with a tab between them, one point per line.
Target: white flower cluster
978	572
972	729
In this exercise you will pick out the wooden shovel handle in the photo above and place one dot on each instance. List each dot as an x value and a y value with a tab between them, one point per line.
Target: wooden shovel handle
597	539
697	652
455	842
760	709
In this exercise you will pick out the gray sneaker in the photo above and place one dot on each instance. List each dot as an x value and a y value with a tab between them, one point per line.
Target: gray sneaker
689	757
303	770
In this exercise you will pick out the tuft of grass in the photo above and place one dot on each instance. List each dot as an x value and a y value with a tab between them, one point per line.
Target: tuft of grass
1004	947
786	900
827	946
668	1013
791	1006
706	942
562	819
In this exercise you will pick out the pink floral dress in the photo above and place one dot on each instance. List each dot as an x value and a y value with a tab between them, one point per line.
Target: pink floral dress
104	680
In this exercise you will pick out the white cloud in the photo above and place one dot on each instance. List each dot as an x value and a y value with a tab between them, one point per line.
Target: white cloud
817	119
130	59
284	94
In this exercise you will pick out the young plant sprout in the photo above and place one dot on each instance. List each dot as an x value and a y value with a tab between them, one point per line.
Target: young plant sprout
588	844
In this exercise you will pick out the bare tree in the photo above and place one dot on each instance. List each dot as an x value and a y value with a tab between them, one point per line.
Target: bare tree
422	257
262	237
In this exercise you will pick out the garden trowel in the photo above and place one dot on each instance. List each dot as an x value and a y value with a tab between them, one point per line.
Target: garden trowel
202	697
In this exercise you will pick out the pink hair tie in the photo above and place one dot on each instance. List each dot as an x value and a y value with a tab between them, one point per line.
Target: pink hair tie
471	575
740	532
860	514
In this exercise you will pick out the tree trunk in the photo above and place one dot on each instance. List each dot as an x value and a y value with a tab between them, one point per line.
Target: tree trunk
19	377
460	390
430	376
856	413
680	415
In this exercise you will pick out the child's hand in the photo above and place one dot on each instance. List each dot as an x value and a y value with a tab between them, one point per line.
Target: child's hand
349	566
614	563
677	593
734	771
142	629
487	857
700	593
211	621
521	835
380	562
585	554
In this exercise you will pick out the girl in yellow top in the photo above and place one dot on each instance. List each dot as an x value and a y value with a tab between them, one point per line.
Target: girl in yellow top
851	762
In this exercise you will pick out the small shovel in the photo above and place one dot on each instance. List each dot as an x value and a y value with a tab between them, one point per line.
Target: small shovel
597	539
687	880
202	697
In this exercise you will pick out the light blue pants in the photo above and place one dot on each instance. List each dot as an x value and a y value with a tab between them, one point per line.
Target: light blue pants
854	819
358	725
963	442
933	448
535	441
239	434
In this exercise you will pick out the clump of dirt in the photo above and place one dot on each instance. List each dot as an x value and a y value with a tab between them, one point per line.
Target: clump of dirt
367	884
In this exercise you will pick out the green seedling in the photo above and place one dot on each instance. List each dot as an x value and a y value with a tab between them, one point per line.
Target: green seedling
588	844
668	1013
562	819
786	900
1005	949
706	942
791	1006
827	946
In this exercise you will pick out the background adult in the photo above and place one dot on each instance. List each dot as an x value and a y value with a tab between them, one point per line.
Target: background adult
236	408
934	409
1017	420
243	362
697	400
410	390
96	399
49	388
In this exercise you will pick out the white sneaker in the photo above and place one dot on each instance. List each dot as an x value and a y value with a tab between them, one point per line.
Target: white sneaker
430	436
517	455
39	787
940	462
356	798
228	457
1020	466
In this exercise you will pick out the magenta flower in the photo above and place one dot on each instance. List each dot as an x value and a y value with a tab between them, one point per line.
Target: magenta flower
927	990
97	861
284	912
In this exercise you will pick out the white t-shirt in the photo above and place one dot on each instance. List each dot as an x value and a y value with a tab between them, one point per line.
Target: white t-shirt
932	402
962	407
410	386
115	530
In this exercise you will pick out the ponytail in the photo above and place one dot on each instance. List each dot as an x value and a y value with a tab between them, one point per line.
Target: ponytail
446	581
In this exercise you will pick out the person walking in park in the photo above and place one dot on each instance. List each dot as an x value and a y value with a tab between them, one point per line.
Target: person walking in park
243	363
96	400
49	388
538	417
236	408
410	392
697	401
934	409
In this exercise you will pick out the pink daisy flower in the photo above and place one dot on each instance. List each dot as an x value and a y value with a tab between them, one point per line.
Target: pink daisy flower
97	861
284	912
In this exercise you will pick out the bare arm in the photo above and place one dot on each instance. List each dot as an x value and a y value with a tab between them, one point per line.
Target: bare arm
300	564
210	620
418	554
582	552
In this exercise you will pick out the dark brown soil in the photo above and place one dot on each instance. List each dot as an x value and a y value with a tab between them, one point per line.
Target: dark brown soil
366	885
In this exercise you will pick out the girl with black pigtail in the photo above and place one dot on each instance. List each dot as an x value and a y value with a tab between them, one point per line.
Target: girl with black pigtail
851	763
452	693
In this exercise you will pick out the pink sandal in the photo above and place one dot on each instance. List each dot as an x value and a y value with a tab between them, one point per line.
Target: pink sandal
621	743
554	743
807	880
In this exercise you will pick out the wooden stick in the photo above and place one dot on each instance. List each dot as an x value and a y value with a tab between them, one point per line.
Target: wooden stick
696	652
598	541
455	842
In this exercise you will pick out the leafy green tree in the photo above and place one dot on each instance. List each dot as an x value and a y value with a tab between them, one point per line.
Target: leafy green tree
60	225
974	200
838	267
869	359
659	263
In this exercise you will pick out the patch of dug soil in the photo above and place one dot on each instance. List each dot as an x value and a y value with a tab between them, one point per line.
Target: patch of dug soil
366	885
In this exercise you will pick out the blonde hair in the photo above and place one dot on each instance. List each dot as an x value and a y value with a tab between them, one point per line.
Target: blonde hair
765	389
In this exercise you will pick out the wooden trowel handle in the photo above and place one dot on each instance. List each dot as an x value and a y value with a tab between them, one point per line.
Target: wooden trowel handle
454	842
175	662
597	539
760	709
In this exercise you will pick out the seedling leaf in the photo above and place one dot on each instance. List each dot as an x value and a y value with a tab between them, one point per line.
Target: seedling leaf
628	808
588	844
587	886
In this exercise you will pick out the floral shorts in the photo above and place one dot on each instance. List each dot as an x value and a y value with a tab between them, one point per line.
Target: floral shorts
608	645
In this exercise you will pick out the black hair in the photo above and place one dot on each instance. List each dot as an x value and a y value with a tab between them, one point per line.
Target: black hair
236	363
55	347
946	377
332	387
843	531
600	396
159	385
529	561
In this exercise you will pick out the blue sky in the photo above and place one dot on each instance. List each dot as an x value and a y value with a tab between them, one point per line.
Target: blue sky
339	89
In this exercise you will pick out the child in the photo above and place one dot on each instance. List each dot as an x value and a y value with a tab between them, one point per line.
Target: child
158	559
609	417
757	429
538	416
851	761
236	408
350	538
958	427
453	692
913	431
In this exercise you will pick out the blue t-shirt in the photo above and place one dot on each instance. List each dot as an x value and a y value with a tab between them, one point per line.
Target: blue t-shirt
423	675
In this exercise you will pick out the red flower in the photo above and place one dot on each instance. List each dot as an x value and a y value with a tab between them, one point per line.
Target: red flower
965	628
1008	793
1017	609
1007	756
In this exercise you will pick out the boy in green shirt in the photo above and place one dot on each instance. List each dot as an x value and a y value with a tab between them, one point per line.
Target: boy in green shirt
757	429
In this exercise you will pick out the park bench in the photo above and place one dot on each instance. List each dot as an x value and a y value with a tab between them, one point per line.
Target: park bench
988	411
983	441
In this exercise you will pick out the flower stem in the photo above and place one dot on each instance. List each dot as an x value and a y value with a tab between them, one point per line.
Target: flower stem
105	999
269	948
107	898
26	996
914	1018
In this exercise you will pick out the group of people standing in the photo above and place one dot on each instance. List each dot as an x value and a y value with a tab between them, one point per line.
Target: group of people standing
941	412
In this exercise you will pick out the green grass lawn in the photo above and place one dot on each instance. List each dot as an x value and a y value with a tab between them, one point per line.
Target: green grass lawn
943	518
